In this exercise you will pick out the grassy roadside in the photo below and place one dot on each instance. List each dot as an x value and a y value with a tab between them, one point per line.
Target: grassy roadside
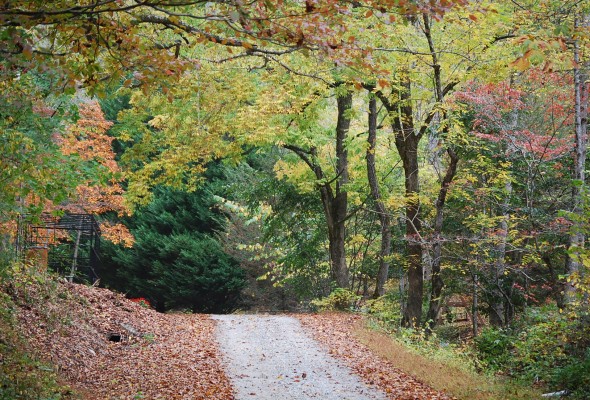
451	375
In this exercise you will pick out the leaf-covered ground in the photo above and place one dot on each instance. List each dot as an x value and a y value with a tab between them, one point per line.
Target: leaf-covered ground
166	356
335	331
160	356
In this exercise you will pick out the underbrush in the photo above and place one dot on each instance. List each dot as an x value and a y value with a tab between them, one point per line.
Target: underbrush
22	374
339	300
546	346
442	358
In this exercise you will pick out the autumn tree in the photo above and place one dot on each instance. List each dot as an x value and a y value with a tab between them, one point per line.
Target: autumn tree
100	192
333	192
416	107
32	164
560	43
380	209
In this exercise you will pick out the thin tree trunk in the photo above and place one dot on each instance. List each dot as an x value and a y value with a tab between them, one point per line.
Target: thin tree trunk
437	281
577	238
474	306
380	209
499	298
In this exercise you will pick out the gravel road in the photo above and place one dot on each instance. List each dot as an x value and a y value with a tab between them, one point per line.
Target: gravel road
271	357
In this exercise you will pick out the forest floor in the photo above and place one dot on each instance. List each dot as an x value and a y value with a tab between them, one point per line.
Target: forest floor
105	346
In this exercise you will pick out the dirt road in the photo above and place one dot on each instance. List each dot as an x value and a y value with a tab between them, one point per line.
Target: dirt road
272	357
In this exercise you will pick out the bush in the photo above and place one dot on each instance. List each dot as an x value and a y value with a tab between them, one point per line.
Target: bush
546	346
339	300
575	377
493	347
386	309
539	349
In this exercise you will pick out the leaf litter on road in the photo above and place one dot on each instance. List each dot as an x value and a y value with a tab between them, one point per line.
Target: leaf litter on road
335	332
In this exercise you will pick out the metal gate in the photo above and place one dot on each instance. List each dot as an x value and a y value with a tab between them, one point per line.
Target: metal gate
68	244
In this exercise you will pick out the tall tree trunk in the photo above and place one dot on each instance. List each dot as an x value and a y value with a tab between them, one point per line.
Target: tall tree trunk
406	142
340	202
334	201
380	209
577	238
413	312
437	281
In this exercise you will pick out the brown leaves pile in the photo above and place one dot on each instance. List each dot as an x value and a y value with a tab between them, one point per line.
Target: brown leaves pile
335	331
160	356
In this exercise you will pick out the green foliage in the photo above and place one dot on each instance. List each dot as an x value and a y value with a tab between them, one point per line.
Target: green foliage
31	163
339	300
386	308
575	377
23	377
177	261
539	349
427	344
289	245
493	347
546	345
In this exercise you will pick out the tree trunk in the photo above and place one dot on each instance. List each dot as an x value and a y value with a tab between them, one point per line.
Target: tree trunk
577	238
334	201
406	142
380	209
499	297
475	306
338	265
437	281
340	201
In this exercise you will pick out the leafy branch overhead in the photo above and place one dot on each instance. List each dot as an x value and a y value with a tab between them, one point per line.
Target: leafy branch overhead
284	154
103	40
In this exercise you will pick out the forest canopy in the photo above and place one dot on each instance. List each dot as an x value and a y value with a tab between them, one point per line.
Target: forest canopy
271	154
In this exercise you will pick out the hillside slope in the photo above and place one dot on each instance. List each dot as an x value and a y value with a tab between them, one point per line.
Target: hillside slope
105	346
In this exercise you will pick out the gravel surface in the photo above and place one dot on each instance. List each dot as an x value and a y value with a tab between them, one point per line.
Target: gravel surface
271	357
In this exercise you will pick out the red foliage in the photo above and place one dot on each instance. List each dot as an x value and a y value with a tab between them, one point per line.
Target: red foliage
530	118
142	301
